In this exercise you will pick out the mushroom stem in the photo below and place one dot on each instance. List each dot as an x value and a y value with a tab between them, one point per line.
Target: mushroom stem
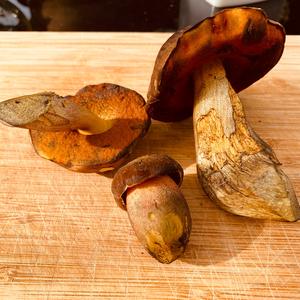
238	170
49	112
160	217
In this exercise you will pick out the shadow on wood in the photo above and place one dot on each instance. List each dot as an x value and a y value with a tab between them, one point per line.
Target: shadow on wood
217	236
173	139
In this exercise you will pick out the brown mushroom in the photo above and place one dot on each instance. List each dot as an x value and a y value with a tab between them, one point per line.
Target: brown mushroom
148	188
199	70
93	131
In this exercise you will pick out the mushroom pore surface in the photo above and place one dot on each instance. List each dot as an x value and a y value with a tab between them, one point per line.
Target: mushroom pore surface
95	153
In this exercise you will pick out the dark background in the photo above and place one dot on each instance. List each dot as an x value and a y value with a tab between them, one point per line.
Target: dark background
126	15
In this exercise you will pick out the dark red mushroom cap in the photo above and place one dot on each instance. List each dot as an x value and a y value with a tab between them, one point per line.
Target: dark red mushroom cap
142	169
244	39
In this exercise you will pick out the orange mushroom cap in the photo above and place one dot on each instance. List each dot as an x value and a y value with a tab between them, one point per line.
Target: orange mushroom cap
244	39
99	152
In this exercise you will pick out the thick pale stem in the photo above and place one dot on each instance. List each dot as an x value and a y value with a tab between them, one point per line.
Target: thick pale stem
160	217
238	170
50	112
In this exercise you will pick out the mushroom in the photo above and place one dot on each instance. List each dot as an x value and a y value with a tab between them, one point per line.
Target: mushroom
199	71
93	131
148	188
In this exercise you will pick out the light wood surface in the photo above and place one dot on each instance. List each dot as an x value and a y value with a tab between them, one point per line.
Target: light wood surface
62	235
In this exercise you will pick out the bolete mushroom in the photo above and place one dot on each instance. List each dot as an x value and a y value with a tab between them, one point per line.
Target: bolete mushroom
93	131
199	71
148	188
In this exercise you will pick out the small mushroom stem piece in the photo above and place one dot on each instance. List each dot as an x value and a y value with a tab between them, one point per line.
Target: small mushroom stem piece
49	112
238	170
160	217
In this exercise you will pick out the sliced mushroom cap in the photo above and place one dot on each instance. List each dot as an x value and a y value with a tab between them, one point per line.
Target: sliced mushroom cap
142	169
244	39
99	152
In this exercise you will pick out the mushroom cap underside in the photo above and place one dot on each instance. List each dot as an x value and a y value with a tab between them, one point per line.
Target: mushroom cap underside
141	169
244	39
100	152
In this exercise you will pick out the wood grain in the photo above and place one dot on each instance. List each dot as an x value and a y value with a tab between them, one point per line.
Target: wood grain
62	235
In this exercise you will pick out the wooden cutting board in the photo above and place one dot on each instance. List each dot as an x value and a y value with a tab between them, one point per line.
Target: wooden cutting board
62	235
